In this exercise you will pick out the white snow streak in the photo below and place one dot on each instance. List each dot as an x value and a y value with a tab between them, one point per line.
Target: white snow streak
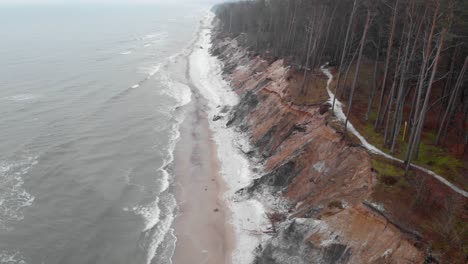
248	216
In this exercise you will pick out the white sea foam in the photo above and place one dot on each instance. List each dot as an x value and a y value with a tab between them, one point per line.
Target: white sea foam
159	231
248	217
150	213
11	257
157	225
157	214
13	197
161	225
178	91
158	220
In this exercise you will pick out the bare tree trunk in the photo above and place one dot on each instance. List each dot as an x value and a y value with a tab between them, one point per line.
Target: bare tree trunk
348	68
413	135
337	52
358	65
343	55
315	34
374	84
464	123
422	115
387	64
388	107
230	22
413	51
400	101
292	27
309	47
318	36
330	22
451	104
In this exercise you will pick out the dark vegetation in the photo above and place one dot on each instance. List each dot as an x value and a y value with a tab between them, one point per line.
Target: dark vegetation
418	205
401	66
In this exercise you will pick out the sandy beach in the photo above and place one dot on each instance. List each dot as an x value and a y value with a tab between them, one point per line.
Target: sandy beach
202	228
212	225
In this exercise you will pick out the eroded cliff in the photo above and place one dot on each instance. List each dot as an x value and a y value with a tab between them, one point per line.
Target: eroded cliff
327	179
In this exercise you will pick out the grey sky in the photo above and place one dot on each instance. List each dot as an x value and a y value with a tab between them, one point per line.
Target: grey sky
21	2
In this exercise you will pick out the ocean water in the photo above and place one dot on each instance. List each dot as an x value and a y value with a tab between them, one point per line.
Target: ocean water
90	104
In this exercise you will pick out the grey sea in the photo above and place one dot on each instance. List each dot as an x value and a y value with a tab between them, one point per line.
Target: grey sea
90	106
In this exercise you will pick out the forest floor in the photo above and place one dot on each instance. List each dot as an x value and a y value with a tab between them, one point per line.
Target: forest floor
425	209
448	159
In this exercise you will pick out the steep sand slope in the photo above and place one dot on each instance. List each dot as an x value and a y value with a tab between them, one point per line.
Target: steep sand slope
325	178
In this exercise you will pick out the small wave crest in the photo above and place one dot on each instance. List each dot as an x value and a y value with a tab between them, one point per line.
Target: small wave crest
150	70
150	36
148	40
157	35
127	52
18	98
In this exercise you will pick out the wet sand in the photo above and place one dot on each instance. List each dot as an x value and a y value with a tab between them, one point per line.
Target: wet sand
202	229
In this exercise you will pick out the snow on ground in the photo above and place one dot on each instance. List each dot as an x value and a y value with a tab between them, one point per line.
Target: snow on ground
373	149
248	216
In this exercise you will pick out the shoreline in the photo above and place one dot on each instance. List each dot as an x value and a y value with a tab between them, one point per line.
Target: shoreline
247	219
203	224
235	230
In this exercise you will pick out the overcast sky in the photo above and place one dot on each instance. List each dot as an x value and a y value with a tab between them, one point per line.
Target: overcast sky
21	2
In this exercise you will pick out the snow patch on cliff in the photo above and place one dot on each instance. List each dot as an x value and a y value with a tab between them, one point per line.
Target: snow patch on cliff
248	216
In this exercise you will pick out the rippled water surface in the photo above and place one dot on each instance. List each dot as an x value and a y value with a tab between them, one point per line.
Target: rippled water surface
89	114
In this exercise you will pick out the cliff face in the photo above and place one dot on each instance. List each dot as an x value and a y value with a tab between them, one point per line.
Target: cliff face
322	174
